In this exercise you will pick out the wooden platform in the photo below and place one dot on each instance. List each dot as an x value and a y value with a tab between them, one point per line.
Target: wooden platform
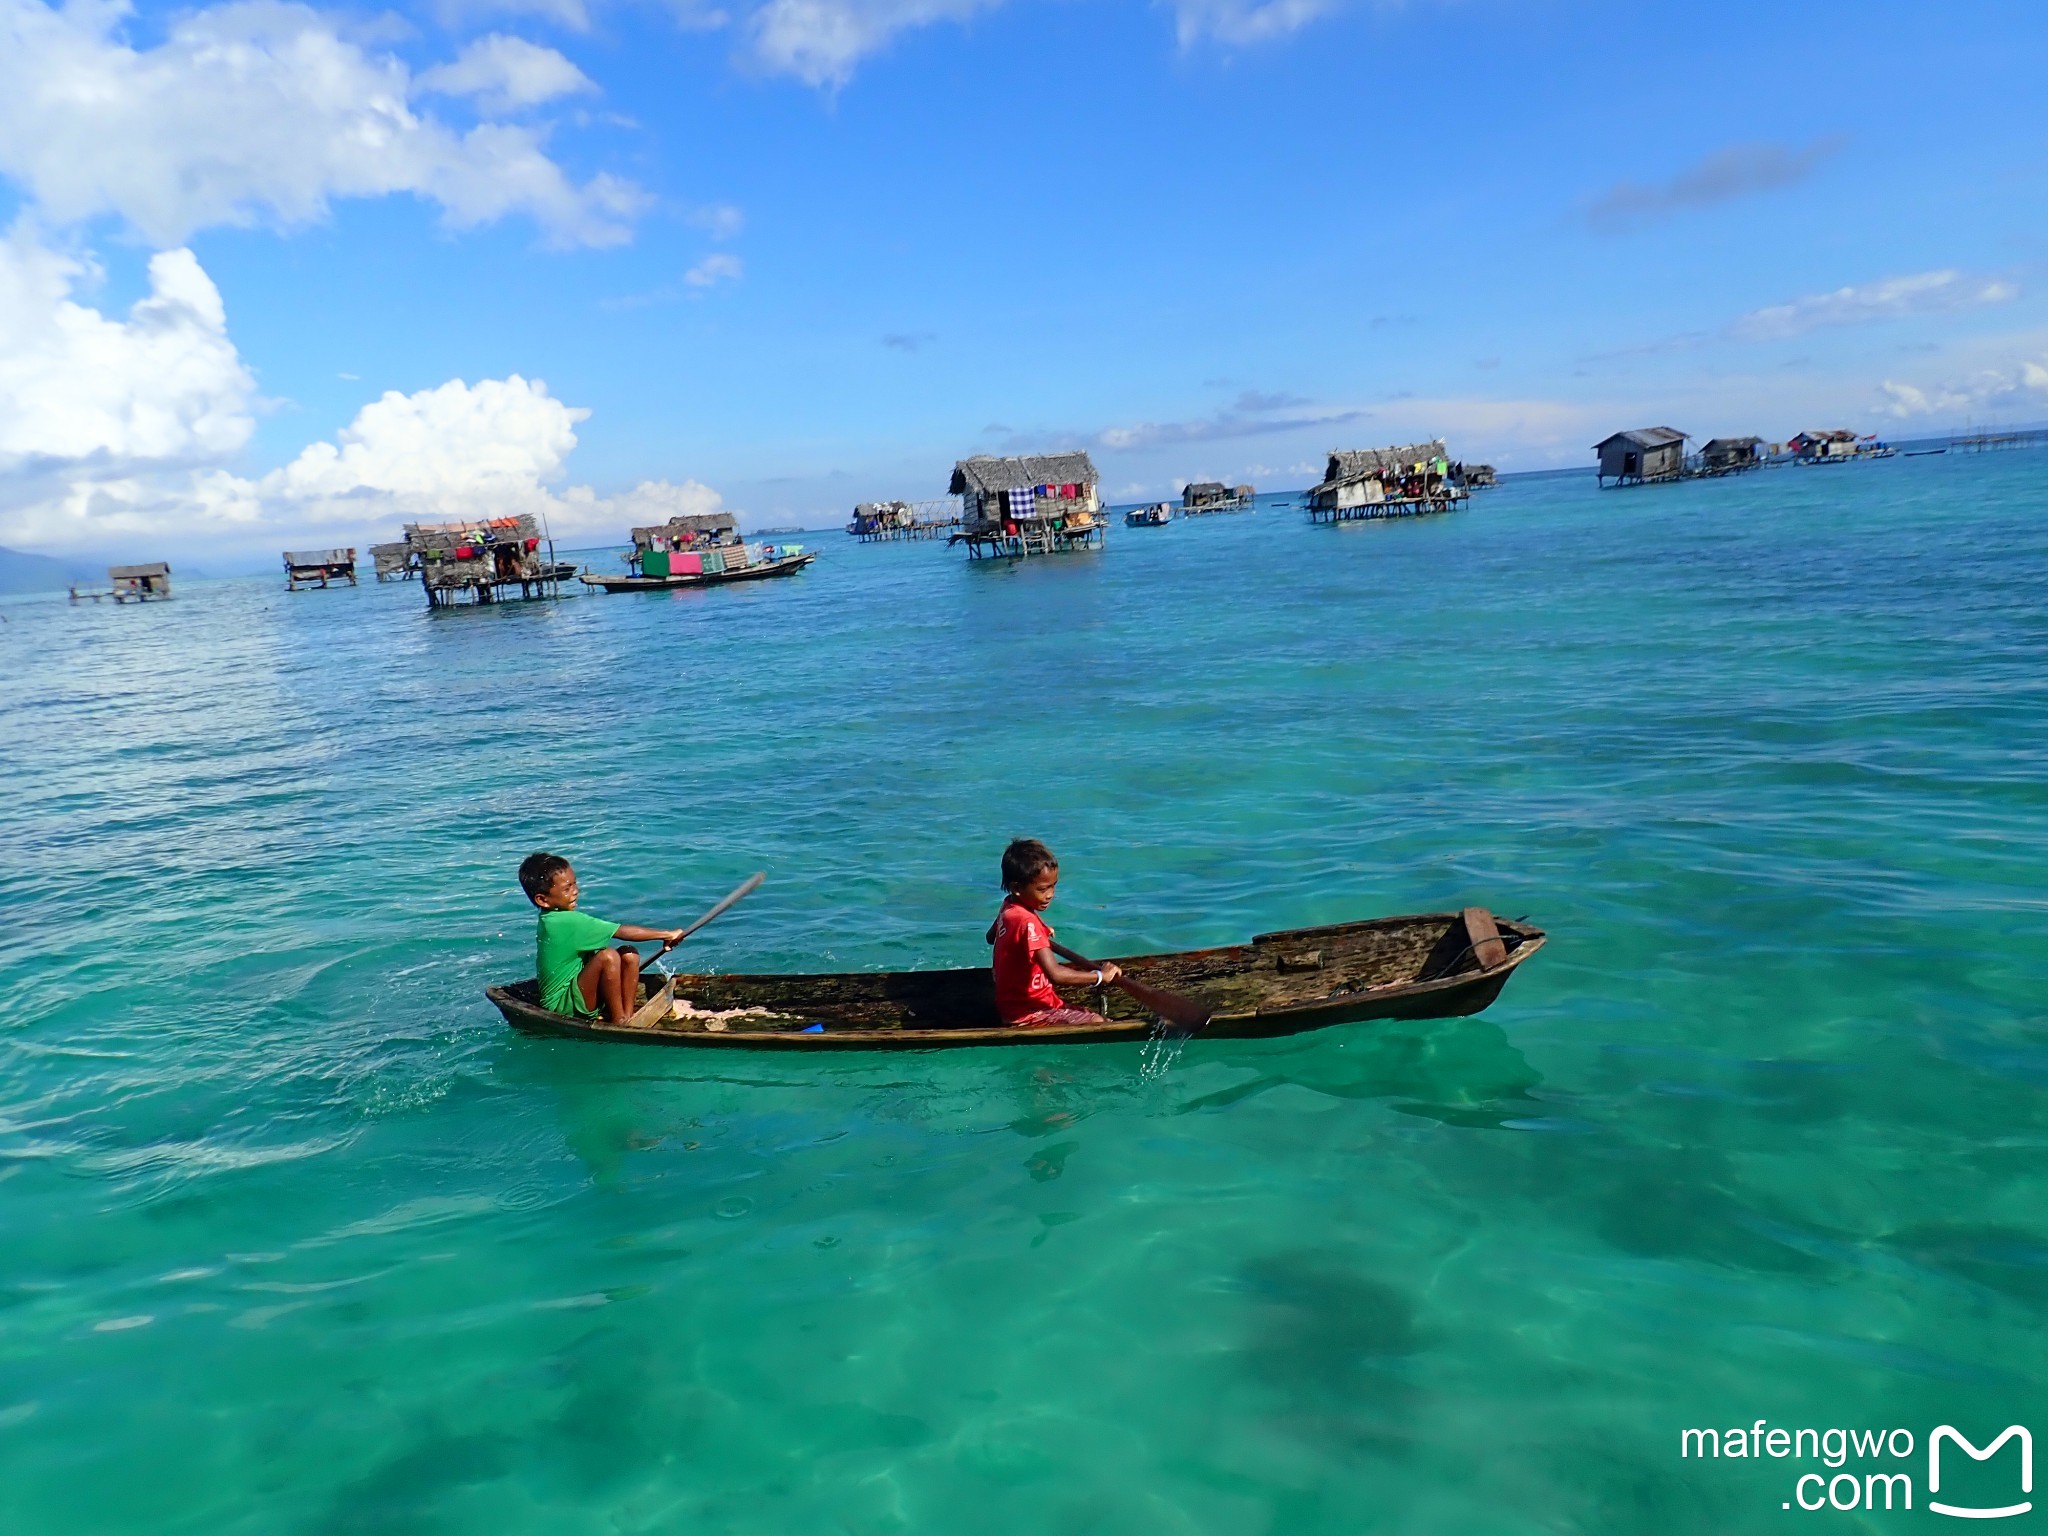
1378	511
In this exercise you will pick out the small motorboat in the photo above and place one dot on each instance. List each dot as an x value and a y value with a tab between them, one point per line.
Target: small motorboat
1434	965
1158	515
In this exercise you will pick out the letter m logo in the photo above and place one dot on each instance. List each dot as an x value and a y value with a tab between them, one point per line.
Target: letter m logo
1969	1512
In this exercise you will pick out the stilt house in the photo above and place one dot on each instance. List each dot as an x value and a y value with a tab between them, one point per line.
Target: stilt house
393	562
1385	482
1033	504
318	567
482	560
1834	443
1215	496
140	583
1646	454
1725	455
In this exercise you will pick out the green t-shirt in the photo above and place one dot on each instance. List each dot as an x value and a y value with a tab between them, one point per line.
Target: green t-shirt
565	938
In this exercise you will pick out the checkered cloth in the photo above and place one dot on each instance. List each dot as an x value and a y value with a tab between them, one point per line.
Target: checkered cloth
1022	501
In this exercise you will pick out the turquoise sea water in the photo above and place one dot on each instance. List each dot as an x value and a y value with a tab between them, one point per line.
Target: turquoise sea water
295	1236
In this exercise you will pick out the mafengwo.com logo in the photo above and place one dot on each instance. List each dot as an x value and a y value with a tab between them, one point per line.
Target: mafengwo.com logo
1873	1469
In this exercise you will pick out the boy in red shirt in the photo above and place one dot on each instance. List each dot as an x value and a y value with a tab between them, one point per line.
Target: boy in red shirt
1024	961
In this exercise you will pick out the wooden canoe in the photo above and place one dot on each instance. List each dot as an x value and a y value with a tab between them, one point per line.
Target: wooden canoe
763	570
1434	965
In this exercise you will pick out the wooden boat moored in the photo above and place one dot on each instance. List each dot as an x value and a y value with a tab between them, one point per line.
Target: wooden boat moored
1158	515
763	570
1433	965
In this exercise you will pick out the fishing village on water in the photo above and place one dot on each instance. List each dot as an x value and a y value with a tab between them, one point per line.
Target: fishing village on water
869	769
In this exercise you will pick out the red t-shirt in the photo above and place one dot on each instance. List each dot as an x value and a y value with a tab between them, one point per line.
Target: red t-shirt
1021	987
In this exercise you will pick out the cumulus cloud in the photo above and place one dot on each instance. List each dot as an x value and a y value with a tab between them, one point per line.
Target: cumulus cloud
1243	22
78	386
506	74
820	41
1739	170
130	426
1921	293
262	112
2023	387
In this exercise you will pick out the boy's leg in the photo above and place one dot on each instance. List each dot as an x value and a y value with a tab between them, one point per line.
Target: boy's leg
598	980
629	984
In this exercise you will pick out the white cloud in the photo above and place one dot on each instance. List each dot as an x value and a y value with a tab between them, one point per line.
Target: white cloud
820	41
130	427
1922	293
506	74
258	112
718	267
1243	22
2023	387
496	448
77	386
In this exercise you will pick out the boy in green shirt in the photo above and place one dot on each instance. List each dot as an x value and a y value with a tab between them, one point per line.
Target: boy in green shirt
579	975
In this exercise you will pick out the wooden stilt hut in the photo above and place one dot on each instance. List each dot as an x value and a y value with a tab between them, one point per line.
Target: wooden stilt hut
1730	455
393	562
1203	496
485	560
886	522
1409	480
1034	504
1645	456
318	567
130	584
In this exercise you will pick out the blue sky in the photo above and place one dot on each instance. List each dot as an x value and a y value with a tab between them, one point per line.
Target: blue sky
799	253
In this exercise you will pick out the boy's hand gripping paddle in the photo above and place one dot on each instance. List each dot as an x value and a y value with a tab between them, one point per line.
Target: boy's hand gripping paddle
1182	1013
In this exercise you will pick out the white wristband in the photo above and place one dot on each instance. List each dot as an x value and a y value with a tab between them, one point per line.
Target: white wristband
1098	979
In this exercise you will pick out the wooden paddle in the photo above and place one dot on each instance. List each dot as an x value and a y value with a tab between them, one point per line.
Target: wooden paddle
745	888
1181	1012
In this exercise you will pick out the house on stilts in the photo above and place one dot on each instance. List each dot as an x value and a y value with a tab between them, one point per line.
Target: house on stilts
1035	504
1731	455
1408	480
1203	496
485	560
318	568
130	584
1643	457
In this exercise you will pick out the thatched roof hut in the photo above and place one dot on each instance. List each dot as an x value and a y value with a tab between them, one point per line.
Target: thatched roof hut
1025	487
702	528
1356	476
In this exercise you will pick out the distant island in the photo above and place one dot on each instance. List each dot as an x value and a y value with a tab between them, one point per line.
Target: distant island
23	572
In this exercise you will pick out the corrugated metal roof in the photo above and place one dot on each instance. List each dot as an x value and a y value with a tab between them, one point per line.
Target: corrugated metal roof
1644	437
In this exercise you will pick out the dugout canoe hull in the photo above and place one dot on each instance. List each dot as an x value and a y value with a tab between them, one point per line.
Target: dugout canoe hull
766	570
1431	965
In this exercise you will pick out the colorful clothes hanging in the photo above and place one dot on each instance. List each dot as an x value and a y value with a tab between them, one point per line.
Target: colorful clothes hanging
1022	501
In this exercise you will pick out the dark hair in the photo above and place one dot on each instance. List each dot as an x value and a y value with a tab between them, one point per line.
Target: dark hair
537	872
1024	861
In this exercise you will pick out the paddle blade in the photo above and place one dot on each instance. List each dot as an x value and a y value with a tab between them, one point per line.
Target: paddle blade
1181	1012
